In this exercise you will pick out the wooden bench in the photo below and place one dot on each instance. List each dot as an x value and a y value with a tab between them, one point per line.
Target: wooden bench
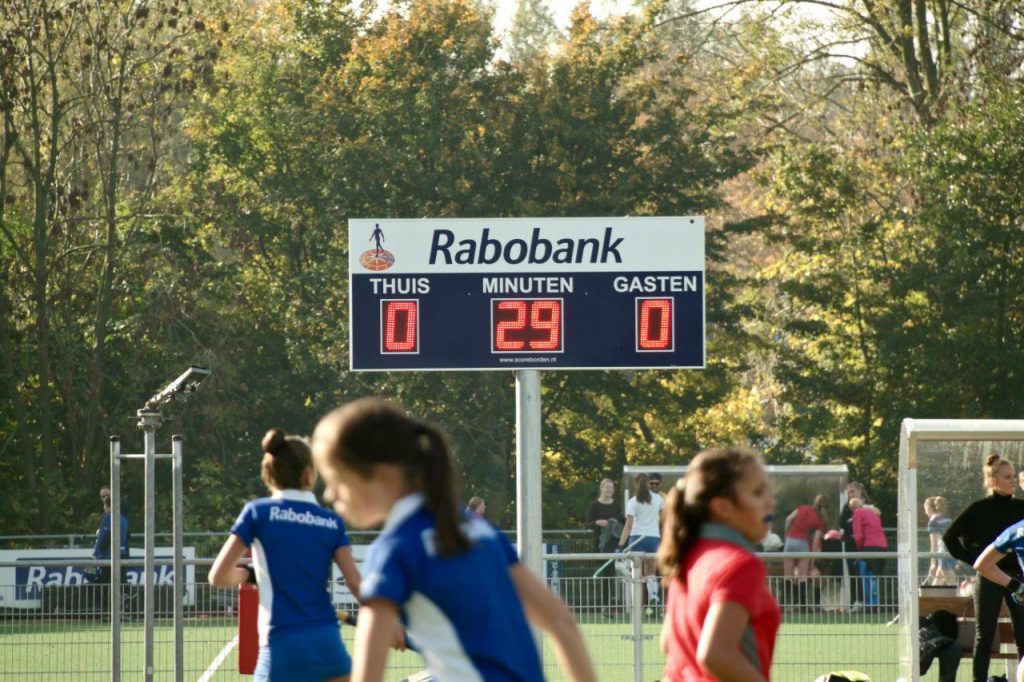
963	607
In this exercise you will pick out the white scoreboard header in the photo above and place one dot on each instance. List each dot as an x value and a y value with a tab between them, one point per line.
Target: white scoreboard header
555	245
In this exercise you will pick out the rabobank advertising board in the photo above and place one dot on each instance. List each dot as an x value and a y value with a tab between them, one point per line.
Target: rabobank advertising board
526	293
33	570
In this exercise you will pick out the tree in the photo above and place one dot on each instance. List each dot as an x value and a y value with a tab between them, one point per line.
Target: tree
416	117
87	94
533	30
867	287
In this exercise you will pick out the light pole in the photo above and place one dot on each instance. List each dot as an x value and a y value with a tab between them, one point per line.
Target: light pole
150	418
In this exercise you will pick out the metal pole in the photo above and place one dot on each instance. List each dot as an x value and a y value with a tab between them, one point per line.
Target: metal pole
179	568
528	470
528	478
115	559
148	422
637	615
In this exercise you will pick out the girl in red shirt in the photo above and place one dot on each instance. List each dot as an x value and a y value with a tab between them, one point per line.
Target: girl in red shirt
805	528
720	619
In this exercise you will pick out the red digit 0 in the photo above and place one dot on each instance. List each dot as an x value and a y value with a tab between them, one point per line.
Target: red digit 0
655	324
400	326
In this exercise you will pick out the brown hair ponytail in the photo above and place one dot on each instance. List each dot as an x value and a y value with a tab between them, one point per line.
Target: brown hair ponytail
641	491
285	460
992	464
438	481
712	473
370	431
679	534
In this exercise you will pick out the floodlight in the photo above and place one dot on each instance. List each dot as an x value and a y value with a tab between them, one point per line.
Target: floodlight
179	389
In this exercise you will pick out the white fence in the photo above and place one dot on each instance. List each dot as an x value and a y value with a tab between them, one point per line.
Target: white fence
68	635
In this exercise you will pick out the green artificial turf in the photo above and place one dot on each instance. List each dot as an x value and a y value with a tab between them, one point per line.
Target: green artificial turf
80	650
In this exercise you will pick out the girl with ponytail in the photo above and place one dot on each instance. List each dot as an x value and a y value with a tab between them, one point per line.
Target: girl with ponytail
452	577
720	618
293	541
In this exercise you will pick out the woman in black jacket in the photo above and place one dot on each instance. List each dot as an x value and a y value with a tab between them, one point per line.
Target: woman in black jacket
604	519
968	535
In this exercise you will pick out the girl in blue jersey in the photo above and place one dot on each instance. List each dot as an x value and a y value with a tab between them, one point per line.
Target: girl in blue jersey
293	541
452	578
1010	541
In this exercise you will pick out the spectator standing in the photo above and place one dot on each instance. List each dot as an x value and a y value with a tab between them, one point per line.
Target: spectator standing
654	483
971	532
102	548
476	505
805	527
125	510
720	620
604	518
869	537
642	531
941	570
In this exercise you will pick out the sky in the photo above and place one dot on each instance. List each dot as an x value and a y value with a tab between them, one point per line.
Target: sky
560	10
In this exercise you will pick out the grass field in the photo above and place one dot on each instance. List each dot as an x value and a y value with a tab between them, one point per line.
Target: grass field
79	650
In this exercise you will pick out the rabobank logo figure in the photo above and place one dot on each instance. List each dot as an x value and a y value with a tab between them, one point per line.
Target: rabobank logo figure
377	258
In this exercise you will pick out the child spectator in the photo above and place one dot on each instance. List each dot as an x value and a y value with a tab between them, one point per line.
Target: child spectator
941	570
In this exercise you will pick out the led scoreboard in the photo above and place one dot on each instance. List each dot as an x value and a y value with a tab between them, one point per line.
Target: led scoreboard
526	293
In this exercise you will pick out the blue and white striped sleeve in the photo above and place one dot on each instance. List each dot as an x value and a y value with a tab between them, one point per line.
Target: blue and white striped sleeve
387	573
1011	539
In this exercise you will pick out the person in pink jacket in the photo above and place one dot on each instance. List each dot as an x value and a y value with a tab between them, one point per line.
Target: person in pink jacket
867	527
869	537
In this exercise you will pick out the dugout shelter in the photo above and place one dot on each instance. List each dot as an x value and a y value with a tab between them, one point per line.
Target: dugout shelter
940	457
793	485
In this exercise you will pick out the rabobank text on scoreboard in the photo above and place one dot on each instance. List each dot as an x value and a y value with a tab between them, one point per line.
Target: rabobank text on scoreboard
526	293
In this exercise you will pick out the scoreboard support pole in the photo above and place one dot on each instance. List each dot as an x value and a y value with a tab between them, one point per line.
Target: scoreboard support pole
529	536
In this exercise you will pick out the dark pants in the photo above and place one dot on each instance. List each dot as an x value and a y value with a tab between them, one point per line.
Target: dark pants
853	570
988	598
101	589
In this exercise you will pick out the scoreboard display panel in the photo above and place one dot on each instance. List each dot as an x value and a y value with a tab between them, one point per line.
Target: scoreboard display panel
526	293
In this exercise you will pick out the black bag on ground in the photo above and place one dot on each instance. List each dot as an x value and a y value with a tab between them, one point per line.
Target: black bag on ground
938	640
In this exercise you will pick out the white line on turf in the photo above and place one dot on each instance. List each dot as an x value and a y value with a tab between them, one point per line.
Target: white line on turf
208	675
